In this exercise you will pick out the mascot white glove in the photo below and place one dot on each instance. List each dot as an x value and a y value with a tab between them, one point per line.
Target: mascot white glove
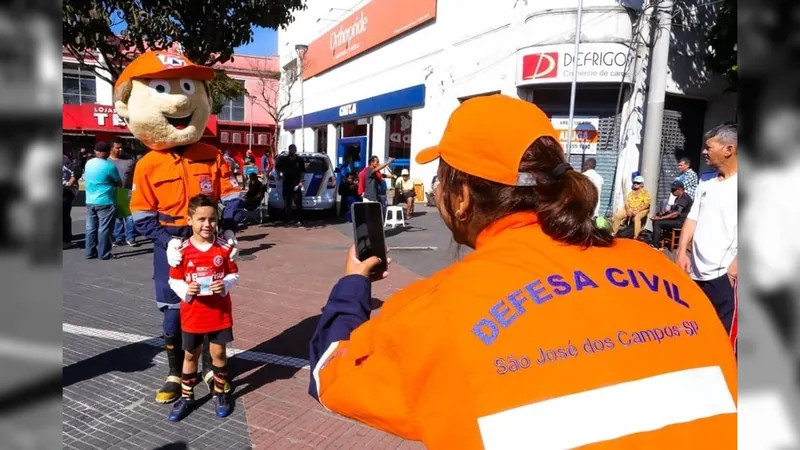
174	255
230	238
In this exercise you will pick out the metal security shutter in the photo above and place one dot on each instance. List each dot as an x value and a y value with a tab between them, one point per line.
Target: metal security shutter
593	102
672	139
681	136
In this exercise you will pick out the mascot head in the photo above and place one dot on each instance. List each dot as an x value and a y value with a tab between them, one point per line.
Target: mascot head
164	99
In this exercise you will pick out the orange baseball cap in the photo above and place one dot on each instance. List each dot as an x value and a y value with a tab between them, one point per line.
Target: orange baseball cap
487	136
152	64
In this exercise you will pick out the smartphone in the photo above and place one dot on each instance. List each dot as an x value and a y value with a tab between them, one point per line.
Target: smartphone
368	233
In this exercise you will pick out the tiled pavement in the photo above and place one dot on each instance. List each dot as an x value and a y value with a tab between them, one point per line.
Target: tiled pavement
110	378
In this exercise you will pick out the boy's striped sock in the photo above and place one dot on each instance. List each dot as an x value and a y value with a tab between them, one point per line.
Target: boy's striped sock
220	379
188	381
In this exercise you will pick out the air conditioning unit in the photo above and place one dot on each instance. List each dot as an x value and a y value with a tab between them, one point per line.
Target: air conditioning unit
237	138
263	139
225	137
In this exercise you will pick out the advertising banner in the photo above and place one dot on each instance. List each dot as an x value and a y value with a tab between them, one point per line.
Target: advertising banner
374	23
597	63
585	132
102	118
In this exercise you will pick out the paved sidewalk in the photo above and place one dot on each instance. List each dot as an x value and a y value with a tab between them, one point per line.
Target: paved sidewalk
113	361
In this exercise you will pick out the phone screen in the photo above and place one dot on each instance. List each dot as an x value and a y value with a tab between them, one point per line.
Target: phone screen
368	233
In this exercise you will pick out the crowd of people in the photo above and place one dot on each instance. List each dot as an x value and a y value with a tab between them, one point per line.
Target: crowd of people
608	329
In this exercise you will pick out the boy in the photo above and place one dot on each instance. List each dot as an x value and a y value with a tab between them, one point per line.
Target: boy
203	281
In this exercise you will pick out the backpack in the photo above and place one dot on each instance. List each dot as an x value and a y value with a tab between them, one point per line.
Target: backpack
362	181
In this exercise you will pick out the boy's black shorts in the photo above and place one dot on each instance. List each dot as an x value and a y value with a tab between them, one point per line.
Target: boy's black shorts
193	340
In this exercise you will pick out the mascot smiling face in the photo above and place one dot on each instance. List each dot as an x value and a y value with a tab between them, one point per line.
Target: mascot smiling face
164	99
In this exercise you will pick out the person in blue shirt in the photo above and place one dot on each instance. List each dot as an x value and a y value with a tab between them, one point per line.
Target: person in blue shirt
101	178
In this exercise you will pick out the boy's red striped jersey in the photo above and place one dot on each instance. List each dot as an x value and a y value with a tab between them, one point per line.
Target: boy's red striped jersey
205	313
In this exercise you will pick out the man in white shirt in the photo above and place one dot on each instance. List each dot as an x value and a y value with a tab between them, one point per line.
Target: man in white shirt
589	167
712	225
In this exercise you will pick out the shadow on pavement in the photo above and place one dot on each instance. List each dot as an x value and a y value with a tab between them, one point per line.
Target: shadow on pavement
293	342
252	237
254	250
132	253
174	446
131	358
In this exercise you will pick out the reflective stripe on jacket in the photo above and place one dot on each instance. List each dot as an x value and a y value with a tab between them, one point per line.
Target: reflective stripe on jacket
164	181
529	343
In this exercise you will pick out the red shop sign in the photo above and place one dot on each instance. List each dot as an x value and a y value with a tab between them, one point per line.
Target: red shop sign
94	117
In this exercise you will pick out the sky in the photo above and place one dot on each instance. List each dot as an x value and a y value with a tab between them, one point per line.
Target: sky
265	42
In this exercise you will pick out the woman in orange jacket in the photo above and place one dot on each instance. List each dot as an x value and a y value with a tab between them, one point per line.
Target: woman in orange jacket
550	335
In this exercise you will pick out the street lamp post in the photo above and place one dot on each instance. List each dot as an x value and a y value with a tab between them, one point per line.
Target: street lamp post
301	53
252	99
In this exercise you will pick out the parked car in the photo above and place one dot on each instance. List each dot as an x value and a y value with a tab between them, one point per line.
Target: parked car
319	185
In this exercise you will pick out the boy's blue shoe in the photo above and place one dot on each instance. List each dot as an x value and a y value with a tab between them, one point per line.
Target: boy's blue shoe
181	409
224	405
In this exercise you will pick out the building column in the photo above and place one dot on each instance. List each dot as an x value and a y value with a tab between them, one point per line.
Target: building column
379	147
333	143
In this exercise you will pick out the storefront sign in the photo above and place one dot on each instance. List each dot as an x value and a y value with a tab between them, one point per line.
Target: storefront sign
347	110
375	23
596	63
403	99
102	118
585	133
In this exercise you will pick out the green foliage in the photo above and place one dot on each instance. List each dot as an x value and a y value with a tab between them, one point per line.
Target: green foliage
722	40
224	87
207	31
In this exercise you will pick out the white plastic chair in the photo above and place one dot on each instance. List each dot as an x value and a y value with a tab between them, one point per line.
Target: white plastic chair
394	217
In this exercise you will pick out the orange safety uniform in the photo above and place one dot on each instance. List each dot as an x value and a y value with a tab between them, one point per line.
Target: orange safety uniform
164	181
530	343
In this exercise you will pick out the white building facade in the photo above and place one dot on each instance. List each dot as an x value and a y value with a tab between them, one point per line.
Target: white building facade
382	77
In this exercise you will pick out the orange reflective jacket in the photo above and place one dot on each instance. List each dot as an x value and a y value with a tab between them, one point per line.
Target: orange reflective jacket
164	182
528	343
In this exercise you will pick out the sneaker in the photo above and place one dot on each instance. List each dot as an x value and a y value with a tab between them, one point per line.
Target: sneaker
181	409
132	243
224	405
118	243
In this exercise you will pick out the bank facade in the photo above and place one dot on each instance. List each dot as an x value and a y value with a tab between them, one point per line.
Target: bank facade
382	77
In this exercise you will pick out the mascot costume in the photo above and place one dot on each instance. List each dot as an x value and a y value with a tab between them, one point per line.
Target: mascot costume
164	99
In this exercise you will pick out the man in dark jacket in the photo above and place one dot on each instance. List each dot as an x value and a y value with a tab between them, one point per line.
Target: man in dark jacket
675	216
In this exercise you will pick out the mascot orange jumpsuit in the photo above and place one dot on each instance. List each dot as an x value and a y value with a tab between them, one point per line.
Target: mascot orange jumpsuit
165	101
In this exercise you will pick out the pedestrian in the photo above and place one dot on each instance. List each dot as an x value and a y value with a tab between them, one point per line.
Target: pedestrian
712	225
232	163
546	335
84	156
688	176
676	215
374	184
348	191
405	186
590	170
292	168
70	174
203	281
101	179
637	205
123	226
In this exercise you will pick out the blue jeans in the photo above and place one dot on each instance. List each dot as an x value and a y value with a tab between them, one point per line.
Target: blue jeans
123	225
99	226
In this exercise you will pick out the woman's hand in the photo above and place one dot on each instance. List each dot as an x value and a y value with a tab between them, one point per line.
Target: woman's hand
353	266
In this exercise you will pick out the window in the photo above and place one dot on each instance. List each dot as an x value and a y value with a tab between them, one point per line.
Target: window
225	137
263	139
237	138
399	130
233	109
80	86
290	72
